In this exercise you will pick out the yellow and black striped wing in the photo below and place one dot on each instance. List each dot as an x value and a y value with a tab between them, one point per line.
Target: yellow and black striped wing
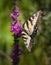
30	29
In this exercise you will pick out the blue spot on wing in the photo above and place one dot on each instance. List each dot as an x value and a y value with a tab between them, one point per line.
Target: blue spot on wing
34	32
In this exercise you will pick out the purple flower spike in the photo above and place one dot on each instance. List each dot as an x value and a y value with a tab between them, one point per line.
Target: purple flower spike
15	27
15	13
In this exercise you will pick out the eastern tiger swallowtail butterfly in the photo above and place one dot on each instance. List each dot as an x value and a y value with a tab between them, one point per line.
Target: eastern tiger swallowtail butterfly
29	30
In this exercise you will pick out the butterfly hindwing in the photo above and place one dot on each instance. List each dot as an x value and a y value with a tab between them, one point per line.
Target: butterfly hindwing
27	40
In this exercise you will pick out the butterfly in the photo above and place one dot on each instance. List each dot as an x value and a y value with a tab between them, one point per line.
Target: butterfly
29	30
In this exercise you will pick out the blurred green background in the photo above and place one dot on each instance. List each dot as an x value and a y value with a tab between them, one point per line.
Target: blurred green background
41	51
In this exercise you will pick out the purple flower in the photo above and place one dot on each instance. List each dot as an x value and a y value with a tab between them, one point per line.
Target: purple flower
15	13
15	27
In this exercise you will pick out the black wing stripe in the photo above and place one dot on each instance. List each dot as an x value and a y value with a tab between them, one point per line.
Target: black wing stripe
30	20
27	24
23	34
32	17
23	25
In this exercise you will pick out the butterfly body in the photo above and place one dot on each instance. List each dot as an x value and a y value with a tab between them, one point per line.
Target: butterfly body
29	29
